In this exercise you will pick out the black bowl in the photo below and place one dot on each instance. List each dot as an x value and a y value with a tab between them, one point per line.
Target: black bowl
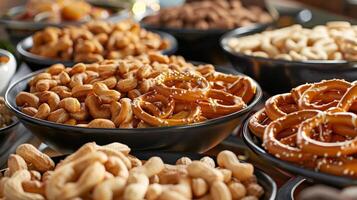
19	29
255	144
279	76
36	62
203	45
195	138
8	137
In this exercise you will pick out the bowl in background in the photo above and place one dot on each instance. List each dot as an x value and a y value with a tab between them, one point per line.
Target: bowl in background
18	30
7	70
279	76
36	62
203	45
197	137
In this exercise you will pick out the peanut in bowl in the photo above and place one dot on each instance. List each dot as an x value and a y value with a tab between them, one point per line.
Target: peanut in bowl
156	117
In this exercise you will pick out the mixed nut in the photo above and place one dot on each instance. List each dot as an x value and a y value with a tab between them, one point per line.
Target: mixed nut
151	90
209	14
96	41
6	117
110	172
336	40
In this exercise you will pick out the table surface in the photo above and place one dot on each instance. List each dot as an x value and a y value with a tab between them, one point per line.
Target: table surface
233	142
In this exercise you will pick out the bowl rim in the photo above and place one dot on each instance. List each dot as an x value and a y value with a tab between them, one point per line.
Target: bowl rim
318	64
258	96
20	48
309	174
14	123
205	31
123	9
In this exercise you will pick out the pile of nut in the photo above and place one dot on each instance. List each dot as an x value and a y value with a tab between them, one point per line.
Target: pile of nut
110	172
5	114
56	11
336	40
121	93
96	41
209	14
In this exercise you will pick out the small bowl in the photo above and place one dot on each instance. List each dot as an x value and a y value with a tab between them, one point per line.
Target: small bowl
10	136
197	137
7	70
36	62
17	29
255	144
279	76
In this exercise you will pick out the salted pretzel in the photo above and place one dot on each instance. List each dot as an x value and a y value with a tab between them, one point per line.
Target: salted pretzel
314	125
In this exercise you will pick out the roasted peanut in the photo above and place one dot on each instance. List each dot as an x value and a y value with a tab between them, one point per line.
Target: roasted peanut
13	187
16	163
43	111
220	191
151	167
105	94
40	161
199	169
70	104
27	99
229	160
101	123
51	98
58	116
109	189
137	186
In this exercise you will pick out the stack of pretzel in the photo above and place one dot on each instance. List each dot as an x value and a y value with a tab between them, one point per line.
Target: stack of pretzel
147	91
315	125
109	172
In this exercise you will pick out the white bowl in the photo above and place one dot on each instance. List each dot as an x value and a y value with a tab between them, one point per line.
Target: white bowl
7	70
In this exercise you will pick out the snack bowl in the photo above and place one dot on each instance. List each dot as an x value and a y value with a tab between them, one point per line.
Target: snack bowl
7	69
19	29
278	76
265	181
255	145
37	62
197	137
197	44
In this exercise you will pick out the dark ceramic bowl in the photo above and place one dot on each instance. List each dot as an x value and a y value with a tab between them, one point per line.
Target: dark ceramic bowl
8	137
195	138
287	191
36	62
279	76
19	29
255	144
203	45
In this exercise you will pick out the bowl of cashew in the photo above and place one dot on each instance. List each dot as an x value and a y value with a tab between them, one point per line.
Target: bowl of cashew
284	58
37	62
195	137
112	171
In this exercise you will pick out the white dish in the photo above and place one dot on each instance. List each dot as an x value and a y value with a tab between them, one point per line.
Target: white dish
7	70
